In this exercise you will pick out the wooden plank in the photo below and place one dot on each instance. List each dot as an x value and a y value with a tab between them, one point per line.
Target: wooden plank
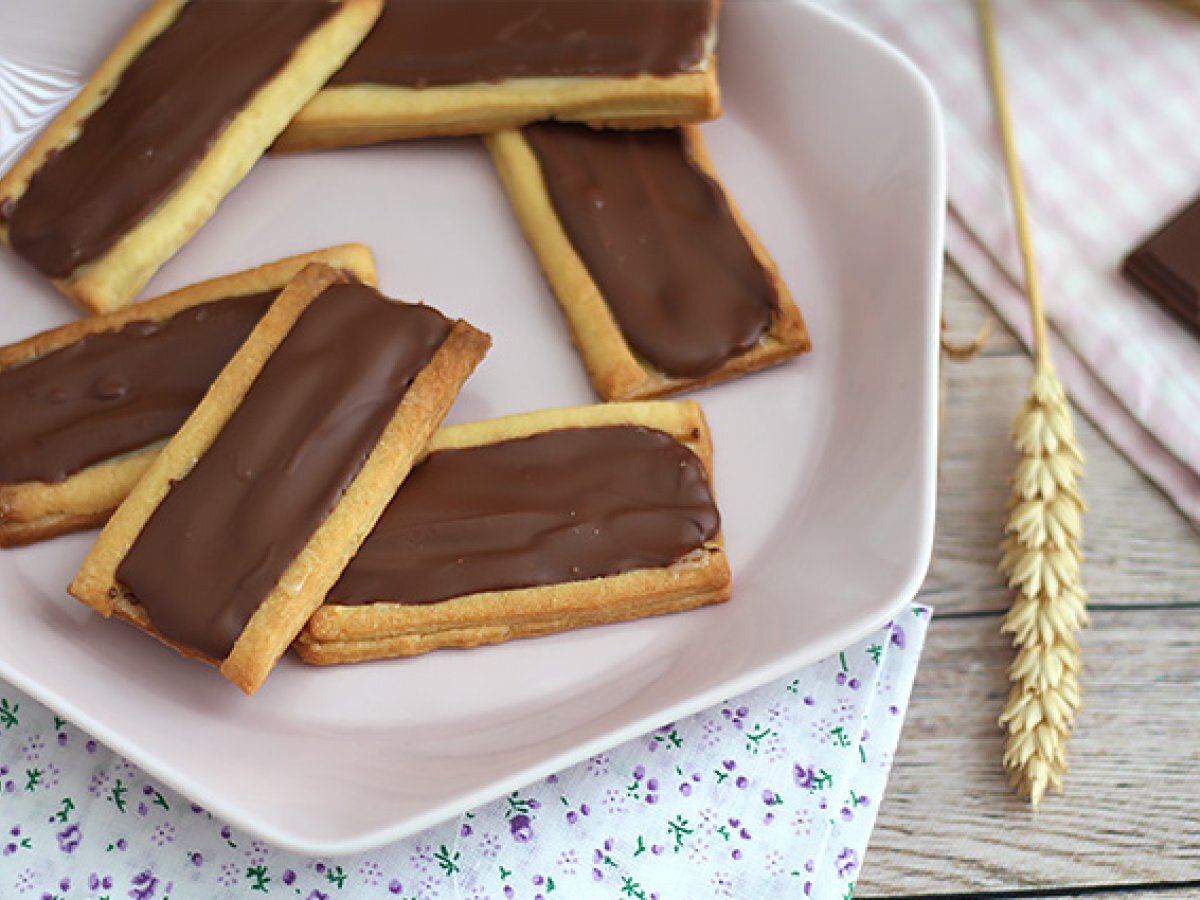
965	311
949	822
1184	890
1139	549
1157	891
1150	892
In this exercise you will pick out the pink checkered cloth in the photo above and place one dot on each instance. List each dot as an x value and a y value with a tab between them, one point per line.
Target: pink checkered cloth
1106	105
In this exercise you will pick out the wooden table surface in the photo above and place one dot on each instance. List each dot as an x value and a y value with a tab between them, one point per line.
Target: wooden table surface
1129	822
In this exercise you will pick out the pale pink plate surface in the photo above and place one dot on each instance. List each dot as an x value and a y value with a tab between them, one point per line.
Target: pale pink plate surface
825	467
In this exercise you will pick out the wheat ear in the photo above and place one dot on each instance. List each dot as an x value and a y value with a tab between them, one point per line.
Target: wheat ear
1040	552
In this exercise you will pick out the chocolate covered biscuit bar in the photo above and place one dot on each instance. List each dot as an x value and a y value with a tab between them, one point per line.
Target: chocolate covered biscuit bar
86	406
532	524
663	284
1167	266
172	120
449	67
250	512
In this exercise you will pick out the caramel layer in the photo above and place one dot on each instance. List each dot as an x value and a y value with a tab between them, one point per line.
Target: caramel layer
116	391
658	238
224	534
168	107
559	506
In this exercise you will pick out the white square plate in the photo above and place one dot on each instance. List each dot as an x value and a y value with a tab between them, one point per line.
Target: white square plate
831	145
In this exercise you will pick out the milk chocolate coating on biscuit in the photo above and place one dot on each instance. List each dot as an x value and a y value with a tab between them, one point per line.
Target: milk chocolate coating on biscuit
224	534
166	110
1167	266
117	391
426	43
659	240
555	507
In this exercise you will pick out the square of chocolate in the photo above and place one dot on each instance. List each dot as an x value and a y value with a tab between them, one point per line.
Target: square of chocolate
1167	266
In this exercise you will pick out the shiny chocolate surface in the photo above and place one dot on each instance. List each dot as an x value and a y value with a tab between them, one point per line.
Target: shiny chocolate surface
556	507
117	391
169	106
658	237
429	43
225	533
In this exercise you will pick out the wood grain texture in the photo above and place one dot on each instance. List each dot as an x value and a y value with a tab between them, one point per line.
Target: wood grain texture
949	822
1187	892
1163	890
1128	826
1138	549
964	313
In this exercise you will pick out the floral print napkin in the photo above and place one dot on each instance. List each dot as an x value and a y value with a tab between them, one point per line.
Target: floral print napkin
771	793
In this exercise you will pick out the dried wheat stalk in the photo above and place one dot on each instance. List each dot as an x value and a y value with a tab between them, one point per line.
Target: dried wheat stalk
1041	559
1041	547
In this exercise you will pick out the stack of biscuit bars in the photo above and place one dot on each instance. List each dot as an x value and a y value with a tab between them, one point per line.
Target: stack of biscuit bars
263	446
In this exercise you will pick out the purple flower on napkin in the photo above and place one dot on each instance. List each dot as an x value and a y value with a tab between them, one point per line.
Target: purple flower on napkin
803	775
144	885
69	838
521	828
847	862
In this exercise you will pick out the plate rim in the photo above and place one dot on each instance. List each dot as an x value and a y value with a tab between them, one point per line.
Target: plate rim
831	642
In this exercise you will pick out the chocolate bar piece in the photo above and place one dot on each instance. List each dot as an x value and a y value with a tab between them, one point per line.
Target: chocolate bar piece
1167	266
86	406
170	122
664	285
443	67
249	514
530	524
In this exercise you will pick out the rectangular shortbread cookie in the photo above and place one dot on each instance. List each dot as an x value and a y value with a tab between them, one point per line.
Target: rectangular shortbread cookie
250	512
169	123
474	66
664	285
73	471
619	523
